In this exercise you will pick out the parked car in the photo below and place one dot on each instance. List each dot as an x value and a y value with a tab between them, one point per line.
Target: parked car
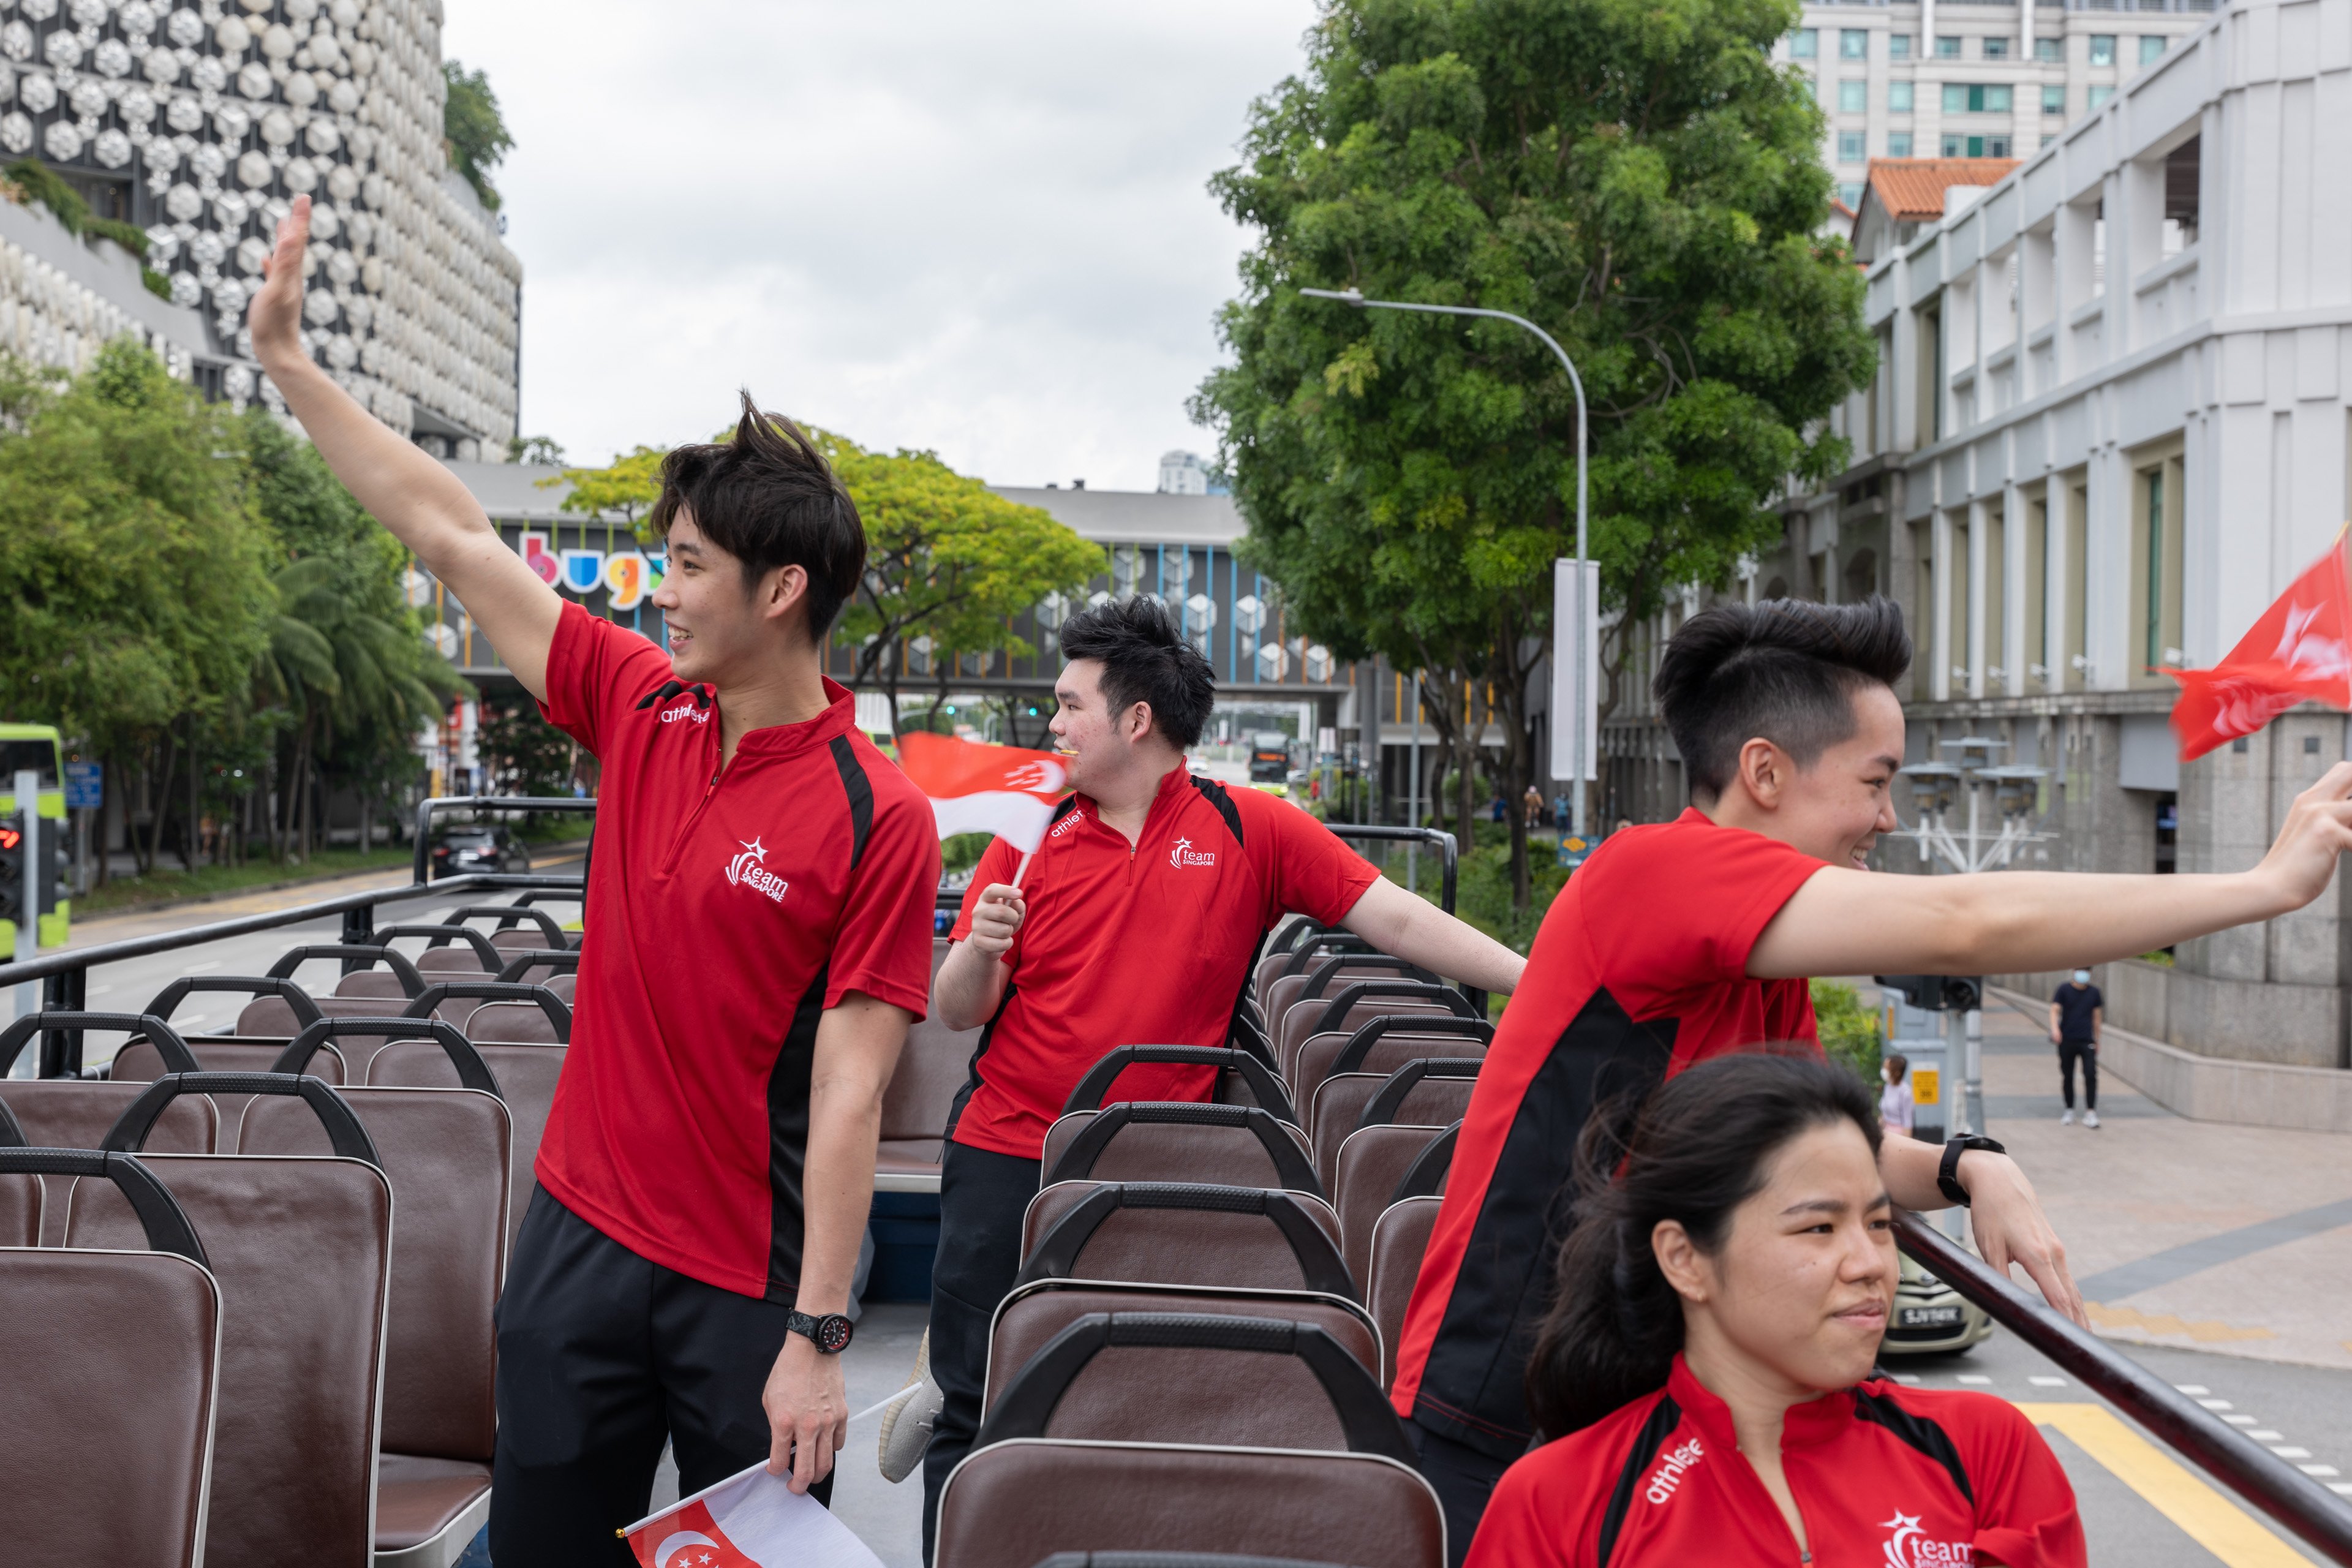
1931	1317
462	851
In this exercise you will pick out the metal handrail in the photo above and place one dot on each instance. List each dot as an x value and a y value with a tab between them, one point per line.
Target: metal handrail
426	809
1449	855
2252	1471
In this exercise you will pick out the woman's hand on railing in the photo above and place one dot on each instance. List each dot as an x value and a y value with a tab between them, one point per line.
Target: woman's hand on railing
2007	1220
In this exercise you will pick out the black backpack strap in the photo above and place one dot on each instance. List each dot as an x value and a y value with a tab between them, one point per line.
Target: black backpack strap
1664	1419
1214	792
860	790
1918	1431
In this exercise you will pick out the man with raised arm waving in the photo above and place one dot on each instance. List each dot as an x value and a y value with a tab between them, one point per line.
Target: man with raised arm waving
758	941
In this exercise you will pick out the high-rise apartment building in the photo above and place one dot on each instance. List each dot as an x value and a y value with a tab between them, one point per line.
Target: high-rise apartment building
1925	80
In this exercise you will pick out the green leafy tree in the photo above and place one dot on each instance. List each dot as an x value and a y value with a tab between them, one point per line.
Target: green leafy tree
527	755
626	488
1634	175
134	591
946	559
474	132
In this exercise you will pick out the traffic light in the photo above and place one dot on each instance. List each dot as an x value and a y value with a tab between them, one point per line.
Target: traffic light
1936	993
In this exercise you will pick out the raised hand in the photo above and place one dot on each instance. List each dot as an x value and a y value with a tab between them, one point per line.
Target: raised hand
276	313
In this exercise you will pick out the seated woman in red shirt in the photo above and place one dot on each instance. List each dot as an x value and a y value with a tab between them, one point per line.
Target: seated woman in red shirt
1704	1369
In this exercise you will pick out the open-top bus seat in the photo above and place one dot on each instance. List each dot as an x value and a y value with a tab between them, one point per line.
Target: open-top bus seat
107	1437
1326	974
264	1017
459	951
1427	1091
448	1154
931	1068
1377	1164
1265	1403
521	928
1399	1239
301	1248
539	966
1182	1233
526	1076
1180	1140
1245	1079
457	1001
290	1000
1294	945
1356	1003
1013	1503
1381	1046
74	1113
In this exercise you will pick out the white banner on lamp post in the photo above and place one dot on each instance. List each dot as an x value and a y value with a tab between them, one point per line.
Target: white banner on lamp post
1575	630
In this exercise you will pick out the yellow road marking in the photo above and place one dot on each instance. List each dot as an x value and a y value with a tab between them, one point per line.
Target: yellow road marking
2205	1515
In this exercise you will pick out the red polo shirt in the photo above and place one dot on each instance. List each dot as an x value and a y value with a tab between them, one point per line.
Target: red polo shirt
1640	969
1142	944
727	910
1882	1475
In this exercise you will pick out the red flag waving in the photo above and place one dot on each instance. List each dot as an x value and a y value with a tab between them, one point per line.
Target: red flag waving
974	788
2301	650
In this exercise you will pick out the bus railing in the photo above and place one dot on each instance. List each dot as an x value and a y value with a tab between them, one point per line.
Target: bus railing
427	810
2288	1496
64	974
1449	861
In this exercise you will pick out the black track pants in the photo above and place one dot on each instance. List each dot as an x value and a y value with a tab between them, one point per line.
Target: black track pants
1464	1479
2069	1053
982	1196
602	1355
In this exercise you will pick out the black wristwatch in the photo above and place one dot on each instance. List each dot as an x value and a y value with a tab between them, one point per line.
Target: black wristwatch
1948	1176
830	1333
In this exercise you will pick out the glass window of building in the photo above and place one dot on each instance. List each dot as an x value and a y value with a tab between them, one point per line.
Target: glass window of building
1850	193
1854	96
2053	98
1849	147
1996	49
1898	98
1899	143
1898	46
1947	48
1976	146
1976	98
2103	48
1853	44
2050	51
1805	43
2151	47
2100	95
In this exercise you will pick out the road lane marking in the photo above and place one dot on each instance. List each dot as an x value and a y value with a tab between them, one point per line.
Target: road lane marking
2203	1514
2047	1382
201	968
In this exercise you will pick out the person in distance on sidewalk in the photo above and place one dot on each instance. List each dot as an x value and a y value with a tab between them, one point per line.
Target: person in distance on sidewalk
2077	1013
1134	924
758	941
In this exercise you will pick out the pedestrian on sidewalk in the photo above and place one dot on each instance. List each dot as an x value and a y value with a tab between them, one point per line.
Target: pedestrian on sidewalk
1895	1107
2077	1011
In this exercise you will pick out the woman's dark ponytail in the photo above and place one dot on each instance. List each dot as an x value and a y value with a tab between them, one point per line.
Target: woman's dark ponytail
1693	1151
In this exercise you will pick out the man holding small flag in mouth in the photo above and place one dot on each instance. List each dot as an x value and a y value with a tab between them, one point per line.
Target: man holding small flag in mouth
1133	921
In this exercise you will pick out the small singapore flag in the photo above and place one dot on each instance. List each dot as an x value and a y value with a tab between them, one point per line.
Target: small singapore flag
977	788
749	1520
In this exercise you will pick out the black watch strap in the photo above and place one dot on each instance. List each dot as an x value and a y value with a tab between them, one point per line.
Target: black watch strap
1948	1177
830	1333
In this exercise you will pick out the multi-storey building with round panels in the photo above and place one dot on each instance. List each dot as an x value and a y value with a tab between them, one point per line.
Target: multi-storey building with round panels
202	122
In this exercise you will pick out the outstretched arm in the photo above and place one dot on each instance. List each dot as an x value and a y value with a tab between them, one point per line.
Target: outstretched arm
1859	922
1418	932
422	503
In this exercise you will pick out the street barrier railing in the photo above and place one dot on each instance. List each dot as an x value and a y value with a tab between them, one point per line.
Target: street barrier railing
2293	1499
427	810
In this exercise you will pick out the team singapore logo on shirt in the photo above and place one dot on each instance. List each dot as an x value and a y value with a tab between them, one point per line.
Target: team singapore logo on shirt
1908	1547
749	870
1669	1473
1181	854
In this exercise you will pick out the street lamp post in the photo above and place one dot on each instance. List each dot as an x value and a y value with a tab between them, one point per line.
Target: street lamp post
1578	762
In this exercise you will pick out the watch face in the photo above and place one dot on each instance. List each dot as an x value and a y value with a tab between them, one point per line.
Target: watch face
833	1333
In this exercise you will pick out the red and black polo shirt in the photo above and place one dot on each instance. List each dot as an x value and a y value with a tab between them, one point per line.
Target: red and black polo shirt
727	910
1882	1475
1640	969
1147	943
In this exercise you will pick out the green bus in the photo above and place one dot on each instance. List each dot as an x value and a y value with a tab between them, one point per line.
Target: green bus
34	747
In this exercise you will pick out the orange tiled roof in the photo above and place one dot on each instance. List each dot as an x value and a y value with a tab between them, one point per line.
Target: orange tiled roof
1912	189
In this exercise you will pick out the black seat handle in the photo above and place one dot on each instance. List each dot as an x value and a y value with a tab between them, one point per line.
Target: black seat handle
129	1133
472	1070
1336	1013
166	1040
167	1001
518	964
160	1214
1381	1110
423	1004
1246	1033
1426	1175
1304	928
11	1131
293	958
1367	1035
440	936
1257	1074
509	916
1328	970
1323	941
1056	1253
1290	1167
1026	1408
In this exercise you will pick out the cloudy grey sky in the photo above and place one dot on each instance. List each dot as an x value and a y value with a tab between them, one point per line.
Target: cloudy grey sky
982	229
